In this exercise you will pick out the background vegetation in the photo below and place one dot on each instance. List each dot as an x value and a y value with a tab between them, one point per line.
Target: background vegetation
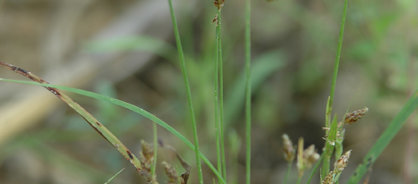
125	49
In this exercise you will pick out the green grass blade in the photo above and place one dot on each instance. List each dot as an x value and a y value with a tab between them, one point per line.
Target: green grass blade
337	59
219	61
216	98
155	149
188	91
329	107
114	176
387	136
329	147
128	106
248	89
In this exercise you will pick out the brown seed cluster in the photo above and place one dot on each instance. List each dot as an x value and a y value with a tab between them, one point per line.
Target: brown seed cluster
339	166
341	163
288	149
329	179
219	3
306	158
146	157
171	173
354	116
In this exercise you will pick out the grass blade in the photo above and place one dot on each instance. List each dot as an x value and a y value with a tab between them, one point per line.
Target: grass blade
387	136
326	160
248	89
219	91
114	176
337	59
188	91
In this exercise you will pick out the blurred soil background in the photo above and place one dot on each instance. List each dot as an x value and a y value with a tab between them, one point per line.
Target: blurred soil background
125	49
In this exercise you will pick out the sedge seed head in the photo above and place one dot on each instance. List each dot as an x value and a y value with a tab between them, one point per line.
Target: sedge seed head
288	148
170	172
354	116
342	162
329	178
219	3
310	156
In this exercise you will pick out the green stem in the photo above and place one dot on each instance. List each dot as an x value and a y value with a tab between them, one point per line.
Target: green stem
289	169
217	120
248	89
299	180
337	57
188	91
316	166
155	142
221	90
329	148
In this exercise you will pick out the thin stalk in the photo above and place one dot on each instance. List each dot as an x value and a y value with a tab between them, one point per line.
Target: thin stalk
248	89
188	91
316	166
114	176
221	90
217	120
299	180
155	142
329	148
289	169
337	60
327	158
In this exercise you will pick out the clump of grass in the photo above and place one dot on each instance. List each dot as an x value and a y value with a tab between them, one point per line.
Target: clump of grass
306	158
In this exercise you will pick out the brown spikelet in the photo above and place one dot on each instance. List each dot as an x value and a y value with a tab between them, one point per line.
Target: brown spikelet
305	158
171	173
329	179
310	156
341	163
300	163
219	3
354	116
288	149
146	157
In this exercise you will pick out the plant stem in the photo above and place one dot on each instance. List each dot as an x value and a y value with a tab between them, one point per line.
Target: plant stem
188	91
221	90
289	169
248	89
155	142
216	96
328	147
316	166
337	61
